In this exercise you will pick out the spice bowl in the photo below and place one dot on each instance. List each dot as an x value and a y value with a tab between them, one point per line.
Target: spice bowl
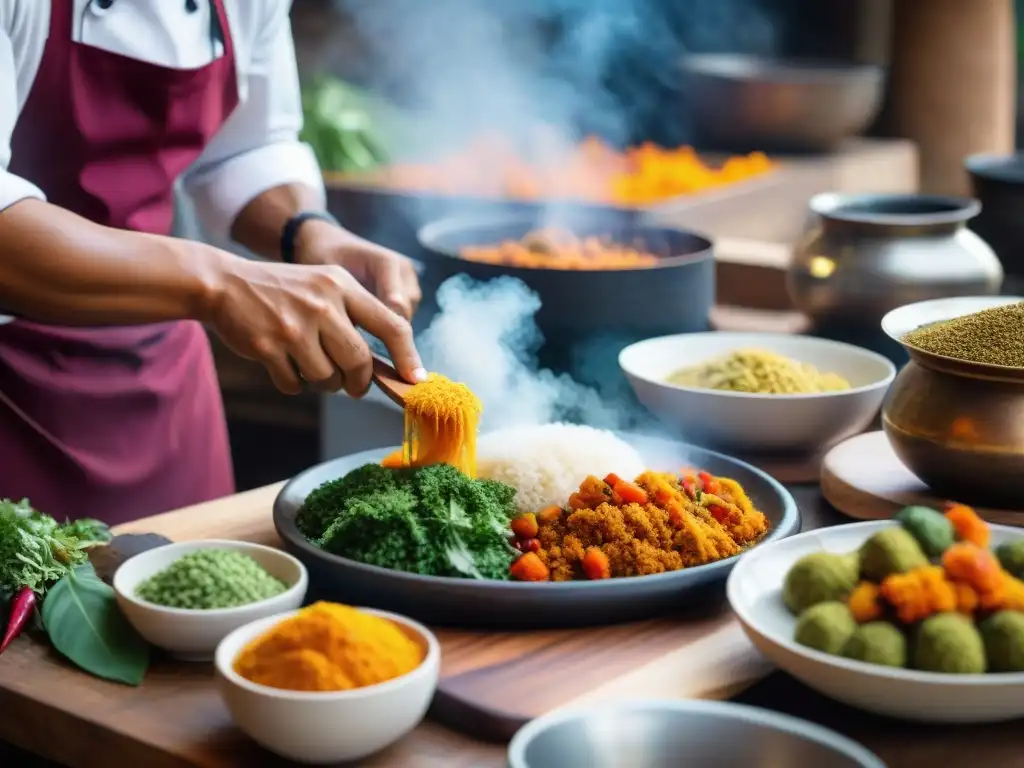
754	591
192	634
333	726
957	425
753	424
666	734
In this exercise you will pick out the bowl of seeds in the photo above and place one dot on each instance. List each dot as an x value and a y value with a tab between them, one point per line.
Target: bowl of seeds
186	597
955	414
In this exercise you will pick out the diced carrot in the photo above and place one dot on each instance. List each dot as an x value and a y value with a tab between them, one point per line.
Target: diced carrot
973	565
708	483
529	567
549	514
525	526
630	493
721	514
576	501
662	497
612	479
595	564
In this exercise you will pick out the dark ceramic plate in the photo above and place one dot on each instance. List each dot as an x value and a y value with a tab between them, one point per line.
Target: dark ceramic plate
509	604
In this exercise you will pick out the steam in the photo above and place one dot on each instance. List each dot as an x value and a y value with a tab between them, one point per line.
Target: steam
545	72
485	335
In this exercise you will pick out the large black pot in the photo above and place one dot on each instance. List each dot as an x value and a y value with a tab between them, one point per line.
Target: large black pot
581	308
998	182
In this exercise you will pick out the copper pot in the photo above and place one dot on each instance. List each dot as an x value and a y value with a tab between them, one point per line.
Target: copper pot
958	426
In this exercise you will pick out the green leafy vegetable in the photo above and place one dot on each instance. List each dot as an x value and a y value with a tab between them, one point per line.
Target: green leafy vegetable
433	521
83	621
339	124
36	551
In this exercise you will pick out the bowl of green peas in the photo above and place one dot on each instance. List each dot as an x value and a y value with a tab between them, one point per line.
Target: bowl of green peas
186	597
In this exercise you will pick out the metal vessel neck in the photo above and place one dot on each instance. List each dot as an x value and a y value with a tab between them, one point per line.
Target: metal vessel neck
895	215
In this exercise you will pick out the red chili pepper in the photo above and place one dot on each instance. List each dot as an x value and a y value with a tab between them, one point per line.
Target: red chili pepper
21	611
708	483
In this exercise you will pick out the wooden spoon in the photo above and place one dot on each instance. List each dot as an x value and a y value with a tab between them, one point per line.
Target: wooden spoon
390	383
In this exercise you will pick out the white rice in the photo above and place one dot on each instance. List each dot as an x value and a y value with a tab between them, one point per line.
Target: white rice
547	463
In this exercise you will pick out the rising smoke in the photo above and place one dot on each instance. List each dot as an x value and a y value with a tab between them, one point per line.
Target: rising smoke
484	335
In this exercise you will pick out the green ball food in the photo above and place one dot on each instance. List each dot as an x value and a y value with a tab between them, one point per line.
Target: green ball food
1003	636
930	528
817	578
890	551
949	643
1011	557
825	627
207	579
877	642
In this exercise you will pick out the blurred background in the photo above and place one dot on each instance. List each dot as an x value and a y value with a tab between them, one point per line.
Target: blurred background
721	116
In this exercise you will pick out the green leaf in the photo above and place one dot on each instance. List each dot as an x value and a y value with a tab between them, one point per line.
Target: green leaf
83	622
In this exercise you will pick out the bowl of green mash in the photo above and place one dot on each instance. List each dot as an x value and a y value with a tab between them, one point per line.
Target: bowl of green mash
186	597
807	603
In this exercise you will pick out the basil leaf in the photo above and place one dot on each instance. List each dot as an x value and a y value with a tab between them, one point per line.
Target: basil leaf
84	624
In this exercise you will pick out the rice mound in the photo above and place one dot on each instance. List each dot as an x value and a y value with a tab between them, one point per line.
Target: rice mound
547	463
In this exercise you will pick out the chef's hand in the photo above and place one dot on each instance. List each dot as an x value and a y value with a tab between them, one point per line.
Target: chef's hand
300	321
389	275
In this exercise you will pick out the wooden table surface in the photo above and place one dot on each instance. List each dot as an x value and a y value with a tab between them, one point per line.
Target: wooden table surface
72	739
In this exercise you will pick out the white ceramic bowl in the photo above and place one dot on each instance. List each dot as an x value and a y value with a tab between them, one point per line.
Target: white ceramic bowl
755	593
311	727
754	423
192	634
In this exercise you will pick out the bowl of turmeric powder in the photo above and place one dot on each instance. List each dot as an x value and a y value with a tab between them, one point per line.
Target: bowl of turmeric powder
328	683
920	617
758	393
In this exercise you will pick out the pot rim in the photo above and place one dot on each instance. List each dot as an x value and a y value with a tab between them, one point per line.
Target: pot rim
741	67
1001	167
950	209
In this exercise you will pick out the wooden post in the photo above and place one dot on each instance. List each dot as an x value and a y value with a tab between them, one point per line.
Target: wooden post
953	86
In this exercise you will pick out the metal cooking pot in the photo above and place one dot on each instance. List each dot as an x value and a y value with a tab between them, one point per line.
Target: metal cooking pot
745	103
865	255
998	182
578	306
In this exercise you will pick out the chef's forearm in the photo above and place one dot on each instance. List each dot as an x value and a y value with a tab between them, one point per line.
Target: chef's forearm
259	225
56	266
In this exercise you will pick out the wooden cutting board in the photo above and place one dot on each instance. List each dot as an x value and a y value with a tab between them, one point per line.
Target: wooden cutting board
863	478
492	683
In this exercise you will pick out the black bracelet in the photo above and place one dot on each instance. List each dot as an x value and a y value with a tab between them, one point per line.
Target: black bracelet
291	229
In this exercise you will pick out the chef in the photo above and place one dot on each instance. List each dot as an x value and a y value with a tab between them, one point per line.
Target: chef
109	404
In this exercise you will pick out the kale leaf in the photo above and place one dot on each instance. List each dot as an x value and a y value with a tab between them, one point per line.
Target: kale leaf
434	521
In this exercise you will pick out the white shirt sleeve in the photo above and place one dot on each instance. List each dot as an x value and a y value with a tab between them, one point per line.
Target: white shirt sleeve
258	148
12	188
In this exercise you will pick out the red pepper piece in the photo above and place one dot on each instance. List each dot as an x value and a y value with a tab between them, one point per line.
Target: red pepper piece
721	514
22	605
612	479
630	493
689	487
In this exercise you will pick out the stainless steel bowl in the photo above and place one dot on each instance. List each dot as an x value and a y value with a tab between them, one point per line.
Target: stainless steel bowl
668	734
746	103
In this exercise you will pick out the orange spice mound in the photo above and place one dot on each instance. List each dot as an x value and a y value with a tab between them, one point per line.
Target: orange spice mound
592	172
613	528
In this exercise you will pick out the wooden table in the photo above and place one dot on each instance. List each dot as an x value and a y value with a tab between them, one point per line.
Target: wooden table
77	720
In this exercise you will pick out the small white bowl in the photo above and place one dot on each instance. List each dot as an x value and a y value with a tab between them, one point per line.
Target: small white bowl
192	635
755	594
754	424
328	727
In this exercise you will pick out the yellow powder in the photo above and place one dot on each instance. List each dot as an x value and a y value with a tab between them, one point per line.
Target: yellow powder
328	647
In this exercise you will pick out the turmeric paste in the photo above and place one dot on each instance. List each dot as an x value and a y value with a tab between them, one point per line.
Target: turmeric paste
328	647
441	419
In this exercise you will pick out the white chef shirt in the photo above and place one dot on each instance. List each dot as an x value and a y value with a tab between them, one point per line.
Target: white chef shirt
256	149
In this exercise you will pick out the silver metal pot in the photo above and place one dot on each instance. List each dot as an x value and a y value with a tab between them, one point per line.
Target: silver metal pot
864	255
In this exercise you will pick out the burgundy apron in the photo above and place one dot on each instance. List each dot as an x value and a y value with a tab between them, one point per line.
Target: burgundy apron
122	422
